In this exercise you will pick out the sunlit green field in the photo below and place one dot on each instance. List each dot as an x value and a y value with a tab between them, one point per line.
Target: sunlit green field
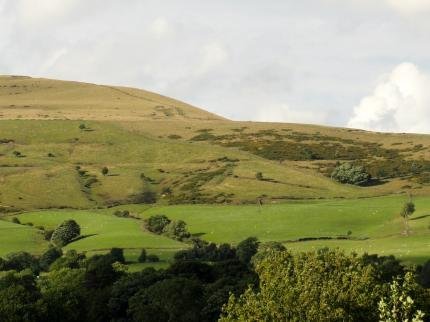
374	224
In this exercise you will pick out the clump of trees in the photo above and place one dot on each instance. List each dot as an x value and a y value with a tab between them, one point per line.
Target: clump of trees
351	174
122	213
274	285
161	224
65	233
323	286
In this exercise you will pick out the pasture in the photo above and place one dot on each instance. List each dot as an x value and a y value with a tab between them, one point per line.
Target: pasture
373	225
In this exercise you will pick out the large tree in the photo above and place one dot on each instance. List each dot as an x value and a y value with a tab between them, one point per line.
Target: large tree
65	233
315	286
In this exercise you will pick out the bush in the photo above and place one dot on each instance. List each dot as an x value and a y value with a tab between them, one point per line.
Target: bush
16	221
117	255
123	213
20	261
157	223
142	256
246	249
152	258
50	256
177	229
105	171
65	233
259	176
47	234
348	173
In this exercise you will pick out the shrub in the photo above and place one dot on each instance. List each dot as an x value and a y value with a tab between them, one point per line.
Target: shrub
50	256
348	173
15	220
123	213
142	256
47	234
105	171
152	258
246	249
65	233
259	176
117	255
157	223
177	229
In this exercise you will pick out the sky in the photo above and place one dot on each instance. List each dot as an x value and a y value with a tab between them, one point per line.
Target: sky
355	63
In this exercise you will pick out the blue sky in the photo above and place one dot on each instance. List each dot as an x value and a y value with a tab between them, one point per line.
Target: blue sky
356	63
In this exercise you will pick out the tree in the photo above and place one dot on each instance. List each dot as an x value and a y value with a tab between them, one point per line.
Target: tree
398	305
105	171
246	249
315	286
157	223
20	261
20	299
15	220
49	257
407	210
177	229
173	300
63	292
259	176
65	233
348	173
71	259
82	126
117	255
142	256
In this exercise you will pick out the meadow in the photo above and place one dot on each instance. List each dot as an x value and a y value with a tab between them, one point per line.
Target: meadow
371	225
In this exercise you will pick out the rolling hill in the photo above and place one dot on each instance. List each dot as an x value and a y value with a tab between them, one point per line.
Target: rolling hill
56	136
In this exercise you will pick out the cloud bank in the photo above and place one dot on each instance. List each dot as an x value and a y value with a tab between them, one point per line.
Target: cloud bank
399	103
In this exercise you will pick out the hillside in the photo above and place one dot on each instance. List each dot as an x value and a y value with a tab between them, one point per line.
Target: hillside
56	136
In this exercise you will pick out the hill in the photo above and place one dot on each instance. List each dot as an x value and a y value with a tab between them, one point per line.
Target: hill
56	136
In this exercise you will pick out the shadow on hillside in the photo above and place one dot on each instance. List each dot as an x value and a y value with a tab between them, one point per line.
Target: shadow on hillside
198	235
83	237
420	217
375	182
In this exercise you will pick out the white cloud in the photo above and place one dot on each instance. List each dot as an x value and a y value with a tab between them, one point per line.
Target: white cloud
400	102
214	55
159	27
284	113
410	6
41	11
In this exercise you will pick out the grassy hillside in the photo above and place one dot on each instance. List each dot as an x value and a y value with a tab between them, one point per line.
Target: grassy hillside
56	136
374	224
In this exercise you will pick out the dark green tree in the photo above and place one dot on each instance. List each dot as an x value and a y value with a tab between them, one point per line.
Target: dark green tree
48	257
142	256
177	229
172	300
157	223
117	255
65	233
246	249
105	171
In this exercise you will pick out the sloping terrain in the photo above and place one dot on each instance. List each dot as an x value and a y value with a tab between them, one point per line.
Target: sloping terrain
57	136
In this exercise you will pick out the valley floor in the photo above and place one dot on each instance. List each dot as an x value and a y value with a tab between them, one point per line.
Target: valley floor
371	225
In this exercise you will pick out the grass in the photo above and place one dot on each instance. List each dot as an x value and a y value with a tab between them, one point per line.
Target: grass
374	222
374	219
135	132
15	238
100	233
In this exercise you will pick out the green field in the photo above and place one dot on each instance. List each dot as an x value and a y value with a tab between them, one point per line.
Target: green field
56	136
374	222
